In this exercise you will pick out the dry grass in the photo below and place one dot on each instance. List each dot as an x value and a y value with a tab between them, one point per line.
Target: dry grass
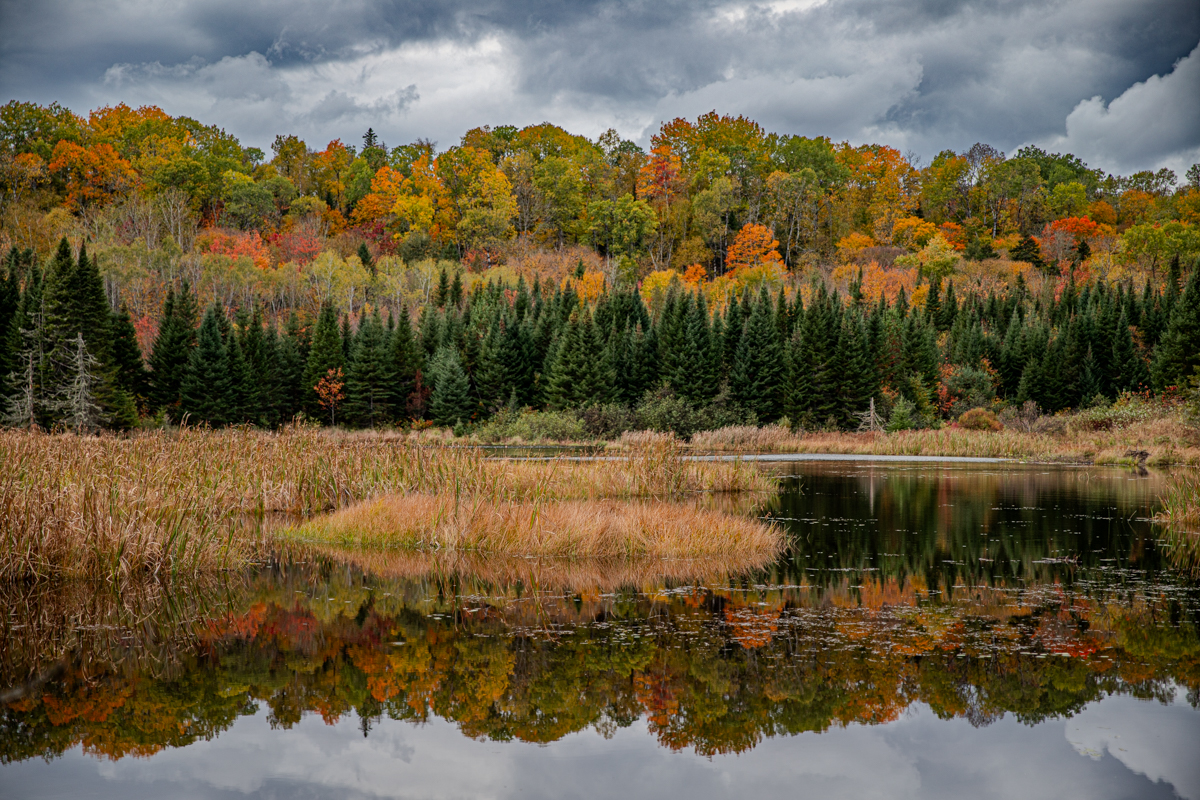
193	500
1167	439
558	529
1181	520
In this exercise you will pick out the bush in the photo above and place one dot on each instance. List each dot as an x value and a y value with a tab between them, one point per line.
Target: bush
979	419
532	426
607	421
1022	418
663	410
1128	410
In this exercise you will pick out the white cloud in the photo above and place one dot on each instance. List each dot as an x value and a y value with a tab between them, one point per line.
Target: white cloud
1153	123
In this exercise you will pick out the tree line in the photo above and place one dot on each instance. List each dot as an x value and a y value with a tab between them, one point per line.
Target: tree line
815	357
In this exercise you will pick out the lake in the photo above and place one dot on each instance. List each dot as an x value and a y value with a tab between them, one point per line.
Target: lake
933	630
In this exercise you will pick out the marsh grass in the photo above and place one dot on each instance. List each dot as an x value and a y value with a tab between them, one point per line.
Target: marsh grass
1180	518
193	500
564	529
1166	438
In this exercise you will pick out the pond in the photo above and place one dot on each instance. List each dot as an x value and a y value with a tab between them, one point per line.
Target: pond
933	630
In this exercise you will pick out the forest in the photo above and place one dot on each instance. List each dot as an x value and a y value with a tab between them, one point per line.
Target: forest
158	271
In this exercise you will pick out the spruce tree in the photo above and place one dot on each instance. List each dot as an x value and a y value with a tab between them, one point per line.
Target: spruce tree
205	389
368	377
172	349
404	358
10	302
758	372
578	376
240	390
291	362
1178	353
132	382
324	355
450	402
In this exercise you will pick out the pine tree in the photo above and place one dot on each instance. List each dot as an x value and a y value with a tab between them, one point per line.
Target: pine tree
442	292
205	388
172	349
456	290
324	355
404	356
131	381
76	401
368	377
757	377
291	360
1178	353
450	402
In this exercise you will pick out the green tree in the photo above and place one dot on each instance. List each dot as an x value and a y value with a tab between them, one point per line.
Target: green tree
205	387
325	354
450	402
369	379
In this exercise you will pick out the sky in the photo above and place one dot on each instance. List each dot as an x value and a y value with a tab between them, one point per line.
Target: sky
1119	747
1116	82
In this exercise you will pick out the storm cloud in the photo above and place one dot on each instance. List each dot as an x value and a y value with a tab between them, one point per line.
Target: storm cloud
1115	81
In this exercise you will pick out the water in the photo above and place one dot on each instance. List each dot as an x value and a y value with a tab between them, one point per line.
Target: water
932	631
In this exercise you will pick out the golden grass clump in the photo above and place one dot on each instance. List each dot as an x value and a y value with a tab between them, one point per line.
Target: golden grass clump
193	500
1180	517
558	529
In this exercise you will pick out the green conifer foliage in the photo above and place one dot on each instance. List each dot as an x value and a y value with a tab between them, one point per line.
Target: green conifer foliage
758	371
324	355
172	349
578	376
405	363
450	402
1178	353
369	380
205	389
130	375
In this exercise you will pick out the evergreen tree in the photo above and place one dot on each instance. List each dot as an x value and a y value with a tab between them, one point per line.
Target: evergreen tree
325	354
1129	369
450	402
369	382
172	349
205	388
240	389
132	382
10	303
758	372
405	363
1178	353
577	376
442	292
456	290
1027	250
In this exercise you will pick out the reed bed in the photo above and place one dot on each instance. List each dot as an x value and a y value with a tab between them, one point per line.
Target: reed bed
1180	517
194	500
569	529
1166	440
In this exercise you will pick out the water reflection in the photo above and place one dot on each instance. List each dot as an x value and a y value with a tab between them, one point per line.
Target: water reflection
960	594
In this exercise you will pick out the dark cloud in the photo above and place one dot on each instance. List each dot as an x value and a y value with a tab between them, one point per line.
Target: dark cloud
920	74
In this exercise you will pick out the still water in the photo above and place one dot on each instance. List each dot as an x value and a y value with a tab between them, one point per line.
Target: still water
933	631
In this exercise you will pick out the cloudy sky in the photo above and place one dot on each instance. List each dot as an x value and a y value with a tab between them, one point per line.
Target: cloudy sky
1116	82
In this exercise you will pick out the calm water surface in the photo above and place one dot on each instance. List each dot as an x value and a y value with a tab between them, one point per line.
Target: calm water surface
933	631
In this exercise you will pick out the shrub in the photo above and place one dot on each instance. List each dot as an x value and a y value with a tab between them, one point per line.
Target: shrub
532	426
979	419
663	410
607	421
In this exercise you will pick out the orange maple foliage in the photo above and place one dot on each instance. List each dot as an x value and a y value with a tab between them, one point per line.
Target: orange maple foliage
236	245
754	245
93	175
695	274
1078	227
660	176
953	233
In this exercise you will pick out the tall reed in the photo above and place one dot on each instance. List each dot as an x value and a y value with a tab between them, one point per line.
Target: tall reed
193	500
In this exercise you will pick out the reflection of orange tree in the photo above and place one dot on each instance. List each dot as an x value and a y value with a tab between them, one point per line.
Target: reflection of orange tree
834	662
